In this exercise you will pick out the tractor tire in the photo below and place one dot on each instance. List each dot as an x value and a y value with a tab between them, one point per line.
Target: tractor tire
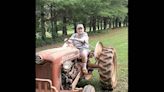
88	88
108	68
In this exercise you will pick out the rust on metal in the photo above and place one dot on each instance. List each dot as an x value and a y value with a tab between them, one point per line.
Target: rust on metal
43	71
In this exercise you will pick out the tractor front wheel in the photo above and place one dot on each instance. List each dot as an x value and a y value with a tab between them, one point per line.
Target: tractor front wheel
108	67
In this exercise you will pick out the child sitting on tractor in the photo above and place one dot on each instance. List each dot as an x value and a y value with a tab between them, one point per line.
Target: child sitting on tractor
80	40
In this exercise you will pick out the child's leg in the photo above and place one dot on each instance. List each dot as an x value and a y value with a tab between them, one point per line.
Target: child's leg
84	54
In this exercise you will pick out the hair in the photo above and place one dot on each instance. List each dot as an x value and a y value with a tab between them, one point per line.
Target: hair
78	24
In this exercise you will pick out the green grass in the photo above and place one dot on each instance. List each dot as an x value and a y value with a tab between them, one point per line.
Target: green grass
118	39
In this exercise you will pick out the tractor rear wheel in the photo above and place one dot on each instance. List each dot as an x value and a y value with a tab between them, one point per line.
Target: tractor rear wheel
108	68
88	88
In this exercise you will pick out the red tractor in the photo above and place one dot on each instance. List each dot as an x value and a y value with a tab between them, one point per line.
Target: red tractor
60	69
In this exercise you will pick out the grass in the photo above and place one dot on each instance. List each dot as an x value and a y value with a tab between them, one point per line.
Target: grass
117	38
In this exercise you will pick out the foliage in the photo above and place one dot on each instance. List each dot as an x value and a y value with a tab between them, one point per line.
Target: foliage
79	11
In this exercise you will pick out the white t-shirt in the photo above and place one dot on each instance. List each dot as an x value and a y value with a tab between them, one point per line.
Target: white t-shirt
78	44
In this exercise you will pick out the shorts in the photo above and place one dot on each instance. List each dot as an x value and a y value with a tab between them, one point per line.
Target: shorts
81	49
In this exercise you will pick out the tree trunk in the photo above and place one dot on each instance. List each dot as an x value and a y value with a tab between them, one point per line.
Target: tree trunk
113	22
116	23
55	27
42	24
109	22
126	21
84	23
119	24
90	24
52	23
74	27
64	25
52	29
98	20
105	22
101	23
94	24
74	24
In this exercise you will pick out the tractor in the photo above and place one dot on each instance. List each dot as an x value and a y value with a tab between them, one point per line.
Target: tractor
60	69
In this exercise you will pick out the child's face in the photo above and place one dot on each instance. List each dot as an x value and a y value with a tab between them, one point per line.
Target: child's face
80	30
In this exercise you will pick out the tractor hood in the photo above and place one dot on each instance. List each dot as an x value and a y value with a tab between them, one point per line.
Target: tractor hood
55	54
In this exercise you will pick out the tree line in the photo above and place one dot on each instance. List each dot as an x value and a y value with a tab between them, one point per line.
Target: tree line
57	15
